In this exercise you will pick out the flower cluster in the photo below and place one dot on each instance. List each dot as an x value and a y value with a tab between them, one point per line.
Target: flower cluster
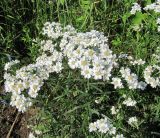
52	30
10	64
104	126
129	102
153	81
90	53
117	83
114	110
31	135
131	60
154	6
86	51
156	56
136	7
132	79
137	27
27	81
137	62
133	121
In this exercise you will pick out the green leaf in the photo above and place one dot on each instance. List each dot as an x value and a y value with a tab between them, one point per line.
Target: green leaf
117	42
139	17
148	2
125	17
62	2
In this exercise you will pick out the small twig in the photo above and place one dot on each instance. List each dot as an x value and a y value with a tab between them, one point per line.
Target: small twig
9	133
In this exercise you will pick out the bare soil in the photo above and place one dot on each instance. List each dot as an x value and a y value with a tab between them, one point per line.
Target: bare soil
7	118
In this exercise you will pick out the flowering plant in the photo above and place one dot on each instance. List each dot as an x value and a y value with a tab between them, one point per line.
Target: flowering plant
90	54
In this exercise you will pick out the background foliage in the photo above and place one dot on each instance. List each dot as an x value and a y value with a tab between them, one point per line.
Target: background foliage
67	102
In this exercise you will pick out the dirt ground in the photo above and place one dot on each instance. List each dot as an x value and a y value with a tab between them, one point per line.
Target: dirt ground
7	118
10	116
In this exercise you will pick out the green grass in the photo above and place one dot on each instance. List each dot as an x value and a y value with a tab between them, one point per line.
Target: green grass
67	100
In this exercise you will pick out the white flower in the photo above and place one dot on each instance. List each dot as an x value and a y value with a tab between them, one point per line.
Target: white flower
119	136
9	86
158	21
158	28
92	127
52	30
114	110
38	132
117	83
125	72
31	135
58	67
142	85
87	72
133	121
73	63
89	50
131	78
124	95
130	57
30	78
83	63
129	102
136	7
154	82
150	7
157	9
47	46
103	126
79	52
90	53
97	101
123	56
154	6
112	131
136	28
106	53
20	102
138	62
10	64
